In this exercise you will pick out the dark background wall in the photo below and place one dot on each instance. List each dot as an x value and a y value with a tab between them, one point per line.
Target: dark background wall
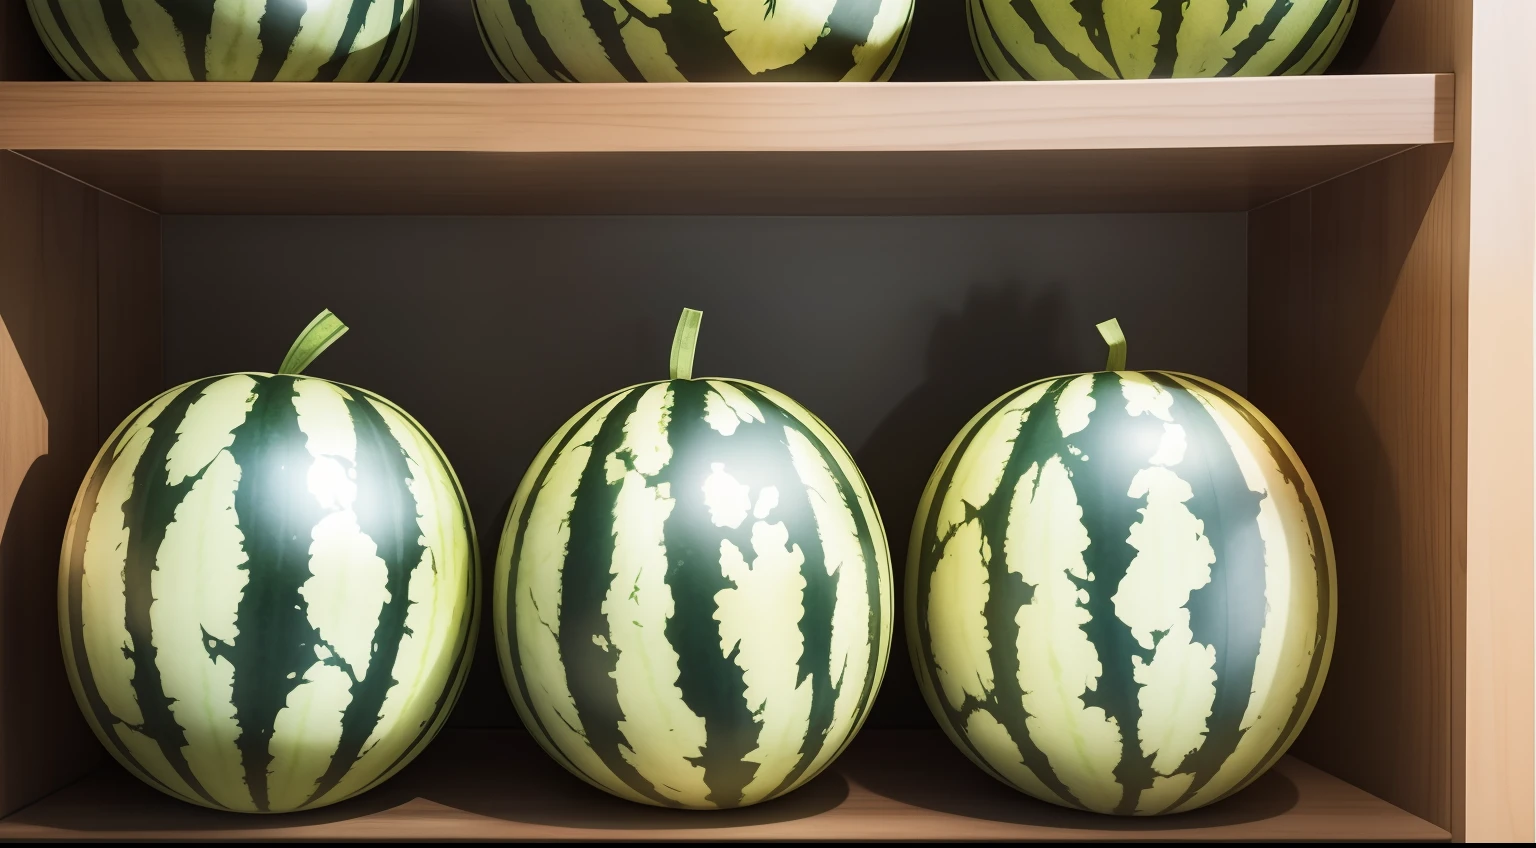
492	331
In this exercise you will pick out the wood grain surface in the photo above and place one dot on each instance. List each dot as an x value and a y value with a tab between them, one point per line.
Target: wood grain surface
739	117
80	311
1497	225
890	785
1390	336
1349	354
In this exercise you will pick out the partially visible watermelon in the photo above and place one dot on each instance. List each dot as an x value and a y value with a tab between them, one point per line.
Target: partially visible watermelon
694	40
229	40
1139	39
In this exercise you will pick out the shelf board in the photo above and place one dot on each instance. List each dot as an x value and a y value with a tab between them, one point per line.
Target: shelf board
890	785
793	148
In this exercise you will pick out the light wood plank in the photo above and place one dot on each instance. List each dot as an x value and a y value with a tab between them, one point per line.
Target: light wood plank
890	785
1500	233
745	117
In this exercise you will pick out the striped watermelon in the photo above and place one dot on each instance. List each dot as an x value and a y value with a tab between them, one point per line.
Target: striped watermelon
693	593
268	589
229	40
1120	592
1138	39
694	40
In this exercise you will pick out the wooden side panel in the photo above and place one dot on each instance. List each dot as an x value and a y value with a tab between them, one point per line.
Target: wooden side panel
48	304
1498	143
56	236
1349	335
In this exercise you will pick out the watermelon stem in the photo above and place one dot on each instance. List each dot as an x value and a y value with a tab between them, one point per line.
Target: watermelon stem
684	342
319	335
1115	338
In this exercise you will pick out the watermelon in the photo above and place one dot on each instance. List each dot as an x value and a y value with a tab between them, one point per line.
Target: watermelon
1121	591
229	40
694	40
267	589
1140	39
693	593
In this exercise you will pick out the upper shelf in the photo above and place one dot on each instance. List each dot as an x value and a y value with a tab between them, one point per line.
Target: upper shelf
883	148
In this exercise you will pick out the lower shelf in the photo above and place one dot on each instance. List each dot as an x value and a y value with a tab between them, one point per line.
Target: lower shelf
891	785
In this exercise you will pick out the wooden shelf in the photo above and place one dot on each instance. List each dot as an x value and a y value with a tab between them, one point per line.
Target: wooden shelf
885	148
891	785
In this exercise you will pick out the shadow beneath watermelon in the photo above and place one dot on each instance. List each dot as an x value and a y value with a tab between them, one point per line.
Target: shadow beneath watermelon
905	773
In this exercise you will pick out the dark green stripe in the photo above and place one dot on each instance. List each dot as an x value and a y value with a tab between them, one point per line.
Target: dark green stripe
1257	38
357	15
930	550
831	57
1325	58
498	57
150	510
585	580
1002	49
518	526
124	39
1092	13
1320	24
387	56
888	64
1043	36
1292	474
467	630
695	41
821	588
387	514
1117	446
193	19
712	684
606	25
276	644
522	15
279	26
1233	8
412	28
1227	613
74	42
90	494
1007	591
1168	27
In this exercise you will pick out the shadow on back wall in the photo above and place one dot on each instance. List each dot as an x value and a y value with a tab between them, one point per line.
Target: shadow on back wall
493	331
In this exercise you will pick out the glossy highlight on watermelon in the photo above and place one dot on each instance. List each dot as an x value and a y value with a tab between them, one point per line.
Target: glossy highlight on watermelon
268	589
1121	592
1140	39
695	40
229	40
693	602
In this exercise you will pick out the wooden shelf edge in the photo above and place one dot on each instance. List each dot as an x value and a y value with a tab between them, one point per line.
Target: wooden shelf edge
1396	109
891	785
